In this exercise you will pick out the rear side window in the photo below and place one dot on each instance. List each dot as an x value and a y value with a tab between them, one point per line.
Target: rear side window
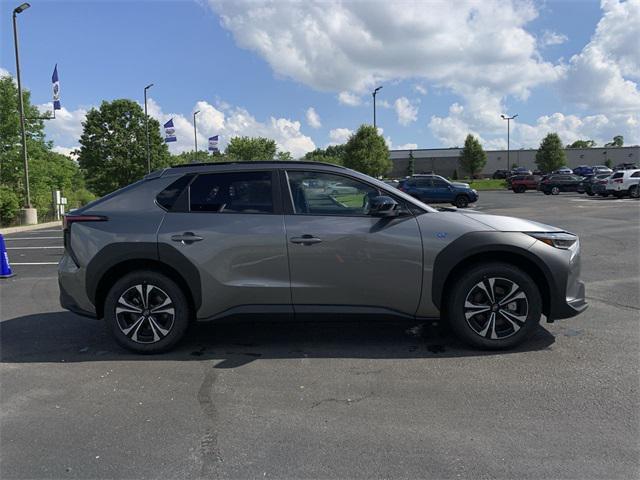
617	175
635	174
168	197
238	192
437	183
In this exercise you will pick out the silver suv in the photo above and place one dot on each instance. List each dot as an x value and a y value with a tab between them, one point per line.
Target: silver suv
211	241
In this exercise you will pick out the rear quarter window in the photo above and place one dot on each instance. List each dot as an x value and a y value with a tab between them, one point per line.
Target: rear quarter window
168	197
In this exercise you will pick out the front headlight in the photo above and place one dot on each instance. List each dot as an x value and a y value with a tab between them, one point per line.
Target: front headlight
561	240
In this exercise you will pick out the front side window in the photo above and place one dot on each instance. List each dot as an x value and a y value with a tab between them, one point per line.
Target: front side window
317	193
240	192
437	183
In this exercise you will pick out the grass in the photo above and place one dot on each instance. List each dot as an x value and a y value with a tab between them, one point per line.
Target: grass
486	184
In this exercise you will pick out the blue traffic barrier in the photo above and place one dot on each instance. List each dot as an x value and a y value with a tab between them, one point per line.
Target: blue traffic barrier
5	266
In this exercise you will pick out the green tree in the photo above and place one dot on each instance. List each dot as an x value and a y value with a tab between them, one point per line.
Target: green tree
251	148
48	170
367	152
332	154
113	146
472	157
582	144
284	156
411	168
618	141
608	163
550	155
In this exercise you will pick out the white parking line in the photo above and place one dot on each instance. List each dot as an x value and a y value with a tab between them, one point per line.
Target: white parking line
34	263
32	248
32	238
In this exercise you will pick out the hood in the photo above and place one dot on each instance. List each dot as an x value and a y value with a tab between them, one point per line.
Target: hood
460	184
511	224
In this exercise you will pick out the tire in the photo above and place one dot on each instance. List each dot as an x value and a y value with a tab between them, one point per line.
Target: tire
604	195
461	201
546	192
590	193
500	326
130	326
555	190
522	189
634	191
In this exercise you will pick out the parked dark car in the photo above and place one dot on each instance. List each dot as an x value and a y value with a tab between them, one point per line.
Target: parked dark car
523	183
595	184
583	171
554	184
499	174
436	189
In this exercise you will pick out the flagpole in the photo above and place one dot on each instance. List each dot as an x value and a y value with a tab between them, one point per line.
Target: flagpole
146	126
195	133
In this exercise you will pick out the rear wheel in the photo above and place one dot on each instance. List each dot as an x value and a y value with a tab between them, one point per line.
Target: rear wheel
555	191
521	189
494	306
634	191
146	312
461	201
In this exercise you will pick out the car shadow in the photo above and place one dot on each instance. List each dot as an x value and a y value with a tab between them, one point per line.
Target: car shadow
63	337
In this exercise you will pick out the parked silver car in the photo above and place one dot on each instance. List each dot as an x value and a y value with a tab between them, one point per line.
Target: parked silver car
211	241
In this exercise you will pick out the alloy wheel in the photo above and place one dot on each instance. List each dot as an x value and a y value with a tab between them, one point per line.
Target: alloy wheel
145	313
496	308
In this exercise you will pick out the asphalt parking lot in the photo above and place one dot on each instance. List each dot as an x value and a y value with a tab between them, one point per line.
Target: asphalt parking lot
325	400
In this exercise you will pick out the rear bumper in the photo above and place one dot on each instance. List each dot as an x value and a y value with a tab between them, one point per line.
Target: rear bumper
73	295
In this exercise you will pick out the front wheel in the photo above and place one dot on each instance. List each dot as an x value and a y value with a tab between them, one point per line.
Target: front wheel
494	306
461	201
146	312
634	191
555	191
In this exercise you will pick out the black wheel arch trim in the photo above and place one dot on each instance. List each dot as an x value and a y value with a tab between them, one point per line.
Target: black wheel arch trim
550	264
115	254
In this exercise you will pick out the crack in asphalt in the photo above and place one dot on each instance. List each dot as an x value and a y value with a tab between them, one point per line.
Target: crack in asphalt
346	401
209	451
615	304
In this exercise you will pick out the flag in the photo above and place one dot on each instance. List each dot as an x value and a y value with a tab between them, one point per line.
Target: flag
56	88
169	132
213	143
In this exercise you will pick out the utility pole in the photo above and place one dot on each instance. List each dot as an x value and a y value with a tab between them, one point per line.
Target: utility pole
508	119
195	133
146	126
29	213
374	93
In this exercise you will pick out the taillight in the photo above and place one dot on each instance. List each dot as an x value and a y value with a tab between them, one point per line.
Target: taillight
617	180
67	220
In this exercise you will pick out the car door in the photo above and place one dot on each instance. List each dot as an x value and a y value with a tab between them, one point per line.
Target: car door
343	259
442	190
230	227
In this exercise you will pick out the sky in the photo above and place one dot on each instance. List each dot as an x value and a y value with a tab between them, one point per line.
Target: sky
302	73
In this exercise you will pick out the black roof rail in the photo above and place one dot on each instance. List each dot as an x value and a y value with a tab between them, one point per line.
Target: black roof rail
258	162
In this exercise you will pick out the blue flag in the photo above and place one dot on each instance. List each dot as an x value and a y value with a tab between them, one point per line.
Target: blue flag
56	88
213	143
169	132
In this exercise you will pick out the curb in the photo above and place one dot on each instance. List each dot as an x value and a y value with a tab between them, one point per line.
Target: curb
28	228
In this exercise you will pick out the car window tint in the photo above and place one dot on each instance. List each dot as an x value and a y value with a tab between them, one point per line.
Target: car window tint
635	174
241	192
167	197
437	183
329	195
617	175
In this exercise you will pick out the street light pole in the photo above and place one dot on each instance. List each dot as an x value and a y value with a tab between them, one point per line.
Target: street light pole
27	198
508	119
195	133
146	126
374	93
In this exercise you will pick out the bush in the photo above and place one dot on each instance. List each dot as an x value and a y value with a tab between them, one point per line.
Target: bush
9	205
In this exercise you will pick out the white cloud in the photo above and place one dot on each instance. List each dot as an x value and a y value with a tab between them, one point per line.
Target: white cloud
4	72
68	151
421	89
406	146
550	38
350	46
233	122
313	119
340	135
406	112
350	99
383	103
65	130
600	78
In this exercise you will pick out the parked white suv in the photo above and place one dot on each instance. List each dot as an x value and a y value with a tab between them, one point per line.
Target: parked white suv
624	182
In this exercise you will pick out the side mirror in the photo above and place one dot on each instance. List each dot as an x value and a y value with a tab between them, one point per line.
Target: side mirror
383	206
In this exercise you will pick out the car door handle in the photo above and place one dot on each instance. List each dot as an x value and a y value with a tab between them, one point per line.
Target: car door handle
306	240
186	238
